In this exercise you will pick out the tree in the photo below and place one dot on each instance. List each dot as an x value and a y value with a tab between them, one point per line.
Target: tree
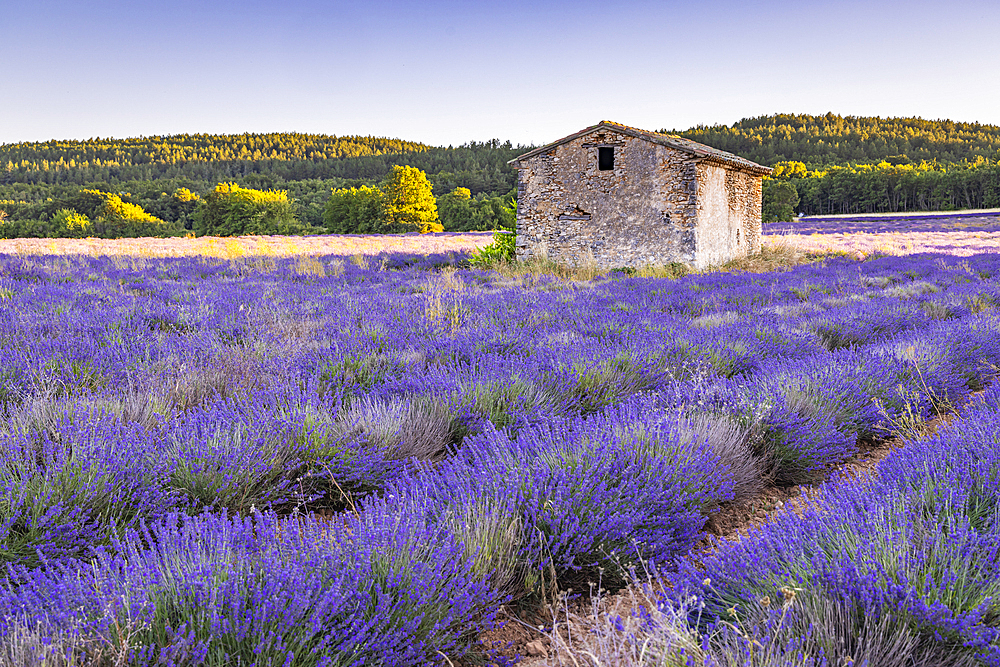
107	215
408	201
230	210
456	210
461	212
354	211
790	170
779	200
68	223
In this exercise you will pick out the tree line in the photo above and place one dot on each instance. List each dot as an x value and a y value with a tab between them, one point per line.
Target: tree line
879	188
472	183
74	160
272	159
402	202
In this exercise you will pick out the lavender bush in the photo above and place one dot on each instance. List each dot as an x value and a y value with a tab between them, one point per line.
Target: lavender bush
219	590
74	484
580	495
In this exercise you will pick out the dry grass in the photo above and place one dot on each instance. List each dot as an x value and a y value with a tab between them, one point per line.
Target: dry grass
259	253
775	255
543	266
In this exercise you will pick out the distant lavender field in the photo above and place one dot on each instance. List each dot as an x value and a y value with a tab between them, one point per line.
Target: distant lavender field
955	234
262	245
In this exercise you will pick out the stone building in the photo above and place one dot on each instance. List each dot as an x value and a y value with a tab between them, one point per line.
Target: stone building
617	196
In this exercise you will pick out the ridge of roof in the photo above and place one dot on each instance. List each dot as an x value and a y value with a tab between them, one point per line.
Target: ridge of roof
669	140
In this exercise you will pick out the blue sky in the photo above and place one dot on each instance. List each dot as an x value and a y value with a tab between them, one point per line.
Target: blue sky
447	72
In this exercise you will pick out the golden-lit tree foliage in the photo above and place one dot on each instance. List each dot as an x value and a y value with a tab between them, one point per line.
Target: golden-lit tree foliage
185	195
188	148
72	224
91	212
408	201
258	161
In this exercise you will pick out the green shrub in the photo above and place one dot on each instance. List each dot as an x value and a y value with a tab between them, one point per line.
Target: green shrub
461	212
779	200
502	250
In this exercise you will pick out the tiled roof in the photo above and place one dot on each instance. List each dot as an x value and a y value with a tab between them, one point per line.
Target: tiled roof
669	140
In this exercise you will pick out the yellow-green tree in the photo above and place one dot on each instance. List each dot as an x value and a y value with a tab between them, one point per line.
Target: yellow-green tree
185	195
408	201
68	223
790	169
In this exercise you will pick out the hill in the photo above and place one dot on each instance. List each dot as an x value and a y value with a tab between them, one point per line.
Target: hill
826	164
272	158
40	178
854	164
841	140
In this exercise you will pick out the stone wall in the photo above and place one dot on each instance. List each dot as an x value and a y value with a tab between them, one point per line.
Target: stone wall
647	210
728	214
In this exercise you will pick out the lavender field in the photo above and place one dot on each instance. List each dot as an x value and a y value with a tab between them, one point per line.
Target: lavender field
960	234
325	460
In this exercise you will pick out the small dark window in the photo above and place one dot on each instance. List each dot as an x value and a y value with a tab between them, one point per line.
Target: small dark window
605	159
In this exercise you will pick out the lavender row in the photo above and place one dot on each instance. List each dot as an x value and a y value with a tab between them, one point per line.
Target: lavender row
899	568
197	330
217	589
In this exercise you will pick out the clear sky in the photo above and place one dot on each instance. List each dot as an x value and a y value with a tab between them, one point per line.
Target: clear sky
446	72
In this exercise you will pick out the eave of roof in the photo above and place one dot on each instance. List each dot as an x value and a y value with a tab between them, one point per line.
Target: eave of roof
671	141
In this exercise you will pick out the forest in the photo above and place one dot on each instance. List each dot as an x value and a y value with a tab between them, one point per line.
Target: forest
824	164
260	160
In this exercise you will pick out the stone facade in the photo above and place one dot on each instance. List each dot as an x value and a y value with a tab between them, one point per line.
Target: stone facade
664	199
